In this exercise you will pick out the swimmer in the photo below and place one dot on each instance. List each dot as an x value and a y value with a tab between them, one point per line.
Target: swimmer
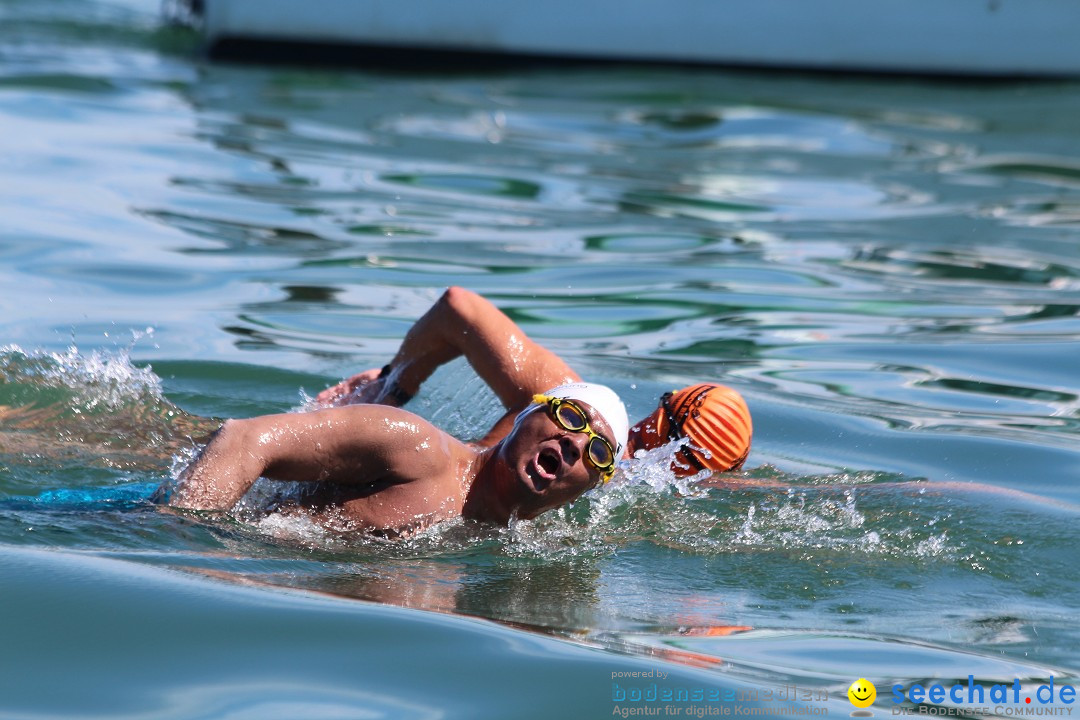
713	417
384	470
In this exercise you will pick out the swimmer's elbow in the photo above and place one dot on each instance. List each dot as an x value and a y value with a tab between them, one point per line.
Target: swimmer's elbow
459	301
221	473
456	293
231	437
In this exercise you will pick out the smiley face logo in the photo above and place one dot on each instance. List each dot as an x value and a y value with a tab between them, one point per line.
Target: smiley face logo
862	693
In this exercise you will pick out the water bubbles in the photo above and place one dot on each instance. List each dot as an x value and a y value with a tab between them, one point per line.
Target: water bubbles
746	534
933	546
851	515
294	528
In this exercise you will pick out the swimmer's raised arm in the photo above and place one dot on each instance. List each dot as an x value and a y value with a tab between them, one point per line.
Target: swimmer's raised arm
461	323
355	445
713	417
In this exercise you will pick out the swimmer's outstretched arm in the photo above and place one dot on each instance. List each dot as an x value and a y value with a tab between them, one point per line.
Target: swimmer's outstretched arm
461	323
362	444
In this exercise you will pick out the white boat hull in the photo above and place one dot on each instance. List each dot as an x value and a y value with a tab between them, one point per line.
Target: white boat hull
959	37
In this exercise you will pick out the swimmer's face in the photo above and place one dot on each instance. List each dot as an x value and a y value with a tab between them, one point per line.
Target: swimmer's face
711	420
548	462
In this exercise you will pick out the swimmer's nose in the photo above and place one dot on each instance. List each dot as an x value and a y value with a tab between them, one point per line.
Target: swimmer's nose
573	447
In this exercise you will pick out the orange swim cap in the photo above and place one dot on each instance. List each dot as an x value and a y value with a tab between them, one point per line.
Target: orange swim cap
715	418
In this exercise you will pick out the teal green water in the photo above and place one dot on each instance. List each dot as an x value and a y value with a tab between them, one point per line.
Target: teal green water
888	269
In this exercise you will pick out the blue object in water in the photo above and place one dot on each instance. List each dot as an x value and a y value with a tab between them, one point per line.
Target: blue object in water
112	496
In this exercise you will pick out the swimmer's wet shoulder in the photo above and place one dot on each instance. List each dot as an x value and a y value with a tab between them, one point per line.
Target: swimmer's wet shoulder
420	475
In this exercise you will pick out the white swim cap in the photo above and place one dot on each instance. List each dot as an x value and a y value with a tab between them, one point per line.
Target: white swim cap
604	401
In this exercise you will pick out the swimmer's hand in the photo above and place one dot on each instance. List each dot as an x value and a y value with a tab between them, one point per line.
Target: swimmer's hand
364	387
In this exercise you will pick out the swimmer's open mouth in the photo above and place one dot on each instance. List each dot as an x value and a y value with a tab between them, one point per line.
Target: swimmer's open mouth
547	466
549	462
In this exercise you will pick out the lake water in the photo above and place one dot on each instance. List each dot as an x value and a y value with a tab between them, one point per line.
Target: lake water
888	269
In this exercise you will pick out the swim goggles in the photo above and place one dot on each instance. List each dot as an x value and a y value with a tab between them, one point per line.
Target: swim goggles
569	416
676	432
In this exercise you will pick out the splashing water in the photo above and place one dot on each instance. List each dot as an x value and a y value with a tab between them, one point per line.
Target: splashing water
94	408
759	511
97	380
